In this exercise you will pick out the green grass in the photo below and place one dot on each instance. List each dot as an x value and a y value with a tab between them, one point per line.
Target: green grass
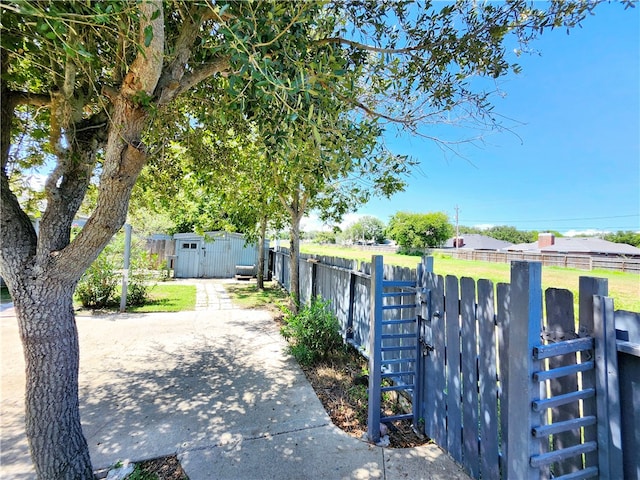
247	295
163	297
624	288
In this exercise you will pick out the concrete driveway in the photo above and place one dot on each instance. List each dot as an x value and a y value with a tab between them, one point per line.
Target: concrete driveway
213	386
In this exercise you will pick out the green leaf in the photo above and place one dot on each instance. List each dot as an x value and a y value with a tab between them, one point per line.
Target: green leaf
155	15
148	35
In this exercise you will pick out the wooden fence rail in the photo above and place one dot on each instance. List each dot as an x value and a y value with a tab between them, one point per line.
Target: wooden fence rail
582	262
507	393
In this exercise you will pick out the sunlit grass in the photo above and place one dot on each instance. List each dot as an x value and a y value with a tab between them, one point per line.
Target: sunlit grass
162	297
165	297
624	288
247	295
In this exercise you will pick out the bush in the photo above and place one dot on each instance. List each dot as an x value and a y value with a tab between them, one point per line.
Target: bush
313	333
137	291
137	286
97	286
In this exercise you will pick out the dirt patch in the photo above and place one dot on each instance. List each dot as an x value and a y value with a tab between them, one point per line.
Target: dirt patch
341	386
164	468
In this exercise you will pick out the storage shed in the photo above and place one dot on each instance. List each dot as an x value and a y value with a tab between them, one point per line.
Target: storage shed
214	254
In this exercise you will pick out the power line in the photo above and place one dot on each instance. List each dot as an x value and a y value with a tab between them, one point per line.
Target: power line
556	219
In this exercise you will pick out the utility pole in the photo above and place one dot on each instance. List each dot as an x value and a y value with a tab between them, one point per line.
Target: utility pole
457	229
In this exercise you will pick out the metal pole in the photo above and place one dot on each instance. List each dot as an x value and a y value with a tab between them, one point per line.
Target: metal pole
125	273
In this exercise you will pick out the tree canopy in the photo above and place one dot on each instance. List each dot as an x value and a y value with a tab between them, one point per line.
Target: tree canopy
366	229
417	231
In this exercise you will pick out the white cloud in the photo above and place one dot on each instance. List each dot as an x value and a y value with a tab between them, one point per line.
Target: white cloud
591	232
312	222
484	226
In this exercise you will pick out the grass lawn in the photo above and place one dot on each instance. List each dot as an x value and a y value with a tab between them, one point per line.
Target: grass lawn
163	297
167	297
247	295
624	288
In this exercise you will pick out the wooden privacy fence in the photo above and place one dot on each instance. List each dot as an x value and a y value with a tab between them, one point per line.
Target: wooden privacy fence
508	392
580	261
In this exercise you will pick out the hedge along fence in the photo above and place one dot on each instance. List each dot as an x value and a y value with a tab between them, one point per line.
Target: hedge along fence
507	393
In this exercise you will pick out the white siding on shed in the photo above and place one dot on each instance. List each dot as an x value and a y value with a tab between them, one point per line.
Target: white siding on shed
217	254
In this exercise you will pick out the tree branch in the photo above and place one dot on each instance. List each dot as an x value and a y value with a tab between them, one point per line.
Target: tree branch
146	69
17	235
371	48
188	81
16	98
174	71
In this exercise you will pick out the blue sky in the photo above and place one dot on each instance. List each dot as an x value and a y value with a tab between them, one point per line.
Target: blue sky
572	161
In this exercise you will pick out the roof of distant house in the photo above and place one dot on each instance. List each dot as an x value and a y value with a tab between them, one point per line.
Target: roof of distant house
475	241
585	245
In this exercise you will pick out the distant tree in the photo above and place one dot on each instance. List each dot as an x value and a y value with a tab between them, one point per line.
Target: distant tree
470	230
629	237
510	234
325	237
367	229
420	230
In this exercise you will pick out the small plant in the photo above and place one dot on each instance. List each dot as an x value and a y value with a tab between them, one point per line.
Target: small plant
97	286
139	473
137	292
138	288
313	333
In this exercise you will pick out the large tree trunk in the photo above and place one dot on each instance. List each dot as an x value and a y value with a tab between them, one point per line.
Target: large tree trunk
50	343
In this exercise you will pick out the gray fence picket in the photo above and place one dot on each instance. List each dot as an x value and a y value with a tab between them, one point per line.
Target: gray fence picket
503	292
469	377
438	354
561	326
607	390
435	413
375	375
628	333
487	381
588	287
524	334
452	334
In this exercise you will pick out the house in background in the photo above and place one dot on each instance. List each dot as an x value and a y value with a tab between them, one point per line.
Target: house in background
548	243
475	241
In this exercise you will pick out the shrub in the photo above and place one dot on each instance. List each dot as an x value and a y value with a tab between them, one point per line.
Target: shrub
97	286
137	286
137	290
313	333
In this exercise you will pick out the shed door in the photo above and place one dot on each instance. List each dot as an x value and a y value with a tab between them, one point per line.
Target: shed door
188	259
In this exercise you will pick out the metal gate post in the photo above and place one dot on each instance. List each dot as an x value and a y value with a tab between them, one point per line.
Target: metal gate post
375	354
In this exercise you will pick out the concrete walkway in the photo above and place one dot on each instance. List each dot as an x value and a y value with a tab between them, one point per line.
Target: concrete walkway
213	386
